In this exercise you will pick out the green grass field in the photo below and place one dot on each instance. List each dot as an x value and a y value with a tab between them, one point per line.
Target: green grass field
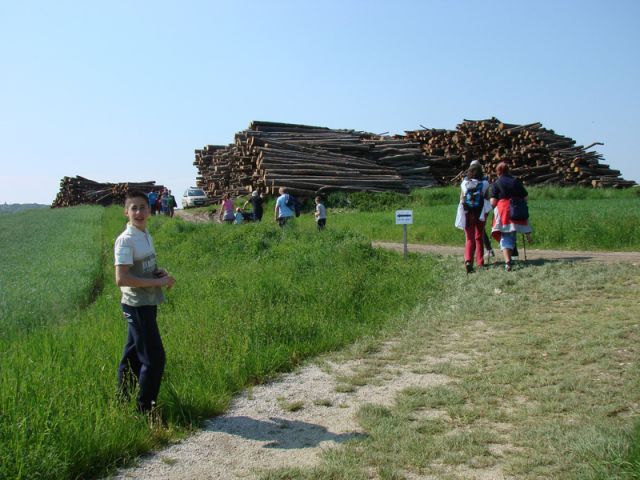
564	219
51	265
250	301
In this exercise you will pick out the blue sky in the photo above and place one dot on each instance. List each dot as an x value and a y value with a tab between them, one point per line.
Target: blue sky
126	90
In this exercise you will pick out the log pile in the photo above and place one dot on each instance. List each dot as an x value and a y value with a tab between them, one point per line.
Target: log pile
536	155
310	160
82	191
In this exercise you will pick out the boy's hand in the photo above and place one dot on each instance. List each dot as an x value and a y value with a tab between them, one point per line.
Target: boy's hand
160	273
169	281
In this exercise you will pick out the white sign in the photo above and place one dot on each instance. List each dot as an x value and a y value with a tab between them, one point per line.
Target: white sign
404	217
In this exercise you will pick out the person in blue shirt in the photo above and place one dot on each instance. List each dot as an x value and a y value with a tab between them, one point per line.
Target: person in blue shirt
238	216
152	196
283	213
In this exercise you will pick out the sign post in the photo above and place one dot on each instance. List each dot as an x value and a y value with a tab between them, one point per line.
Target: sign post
404	218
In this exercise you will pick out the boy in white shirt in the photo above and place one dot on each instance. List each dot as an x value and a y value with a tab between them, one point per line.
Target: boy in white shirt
141	284
320	213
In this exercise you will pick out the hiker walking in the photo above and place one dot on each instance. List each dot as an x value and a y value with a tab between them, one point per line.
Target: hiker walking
227	214
283	211
510	213
171	204
256	200
472	215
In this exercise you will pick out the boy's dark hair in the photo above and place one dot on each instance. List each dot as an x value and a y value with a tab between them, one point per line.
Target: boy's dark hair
131	194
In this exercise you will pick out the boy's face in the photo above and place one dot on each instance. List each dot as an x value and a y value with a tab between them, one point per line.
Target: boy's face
137	211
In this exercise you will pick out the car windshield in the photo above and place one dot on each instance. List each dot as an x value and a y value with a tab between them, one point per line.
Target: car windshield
196	193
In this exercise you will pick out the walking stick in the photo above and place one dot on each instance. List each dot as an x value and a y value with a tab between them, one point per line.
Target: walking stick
524	243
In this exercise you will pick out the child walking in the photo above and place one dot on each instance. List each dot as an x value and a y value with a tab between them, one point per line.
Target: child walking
320	213
141	284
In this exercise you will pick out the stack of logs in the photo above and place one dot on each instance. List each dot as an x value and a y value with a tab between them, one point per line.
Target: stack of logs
535	154
310	160
82	191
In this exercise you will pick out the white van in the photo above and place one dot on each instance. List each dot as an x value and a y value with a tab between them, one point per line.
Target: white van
194	197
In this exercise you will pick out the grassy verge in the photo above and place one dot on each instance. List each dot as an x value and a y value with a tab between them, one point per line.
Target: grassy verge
543	382
562	218
249	302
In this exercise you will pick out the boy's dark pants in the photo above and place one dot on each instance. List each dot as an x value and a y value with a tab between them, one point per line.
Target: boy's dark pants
143	358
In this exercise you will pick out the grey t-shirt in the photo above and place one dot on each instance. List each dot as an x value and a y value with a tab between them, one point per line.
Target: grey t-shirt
322	211
135	248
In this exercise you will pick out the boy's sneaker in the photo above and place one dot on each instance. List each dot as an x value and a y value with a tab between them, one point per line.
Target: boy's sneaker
507	267
469	267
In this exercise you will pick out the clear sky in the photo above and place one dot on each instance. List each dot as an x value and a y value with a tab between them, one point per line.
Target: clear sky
126	90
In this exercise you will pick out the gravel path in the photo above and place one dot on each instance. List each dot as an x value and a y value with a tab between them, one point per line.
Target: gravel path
260	431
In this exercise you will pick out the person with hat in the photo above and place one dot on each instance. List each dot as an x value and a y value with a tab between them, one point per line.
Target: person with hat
256	200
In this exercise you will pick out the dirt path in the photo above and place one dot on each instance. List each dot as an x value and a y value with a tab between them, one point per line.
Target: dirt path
261	432
533	255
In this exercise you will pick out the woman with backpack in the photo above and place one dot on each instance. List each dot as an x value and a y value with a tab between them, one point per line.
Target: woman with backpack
510	213
473	208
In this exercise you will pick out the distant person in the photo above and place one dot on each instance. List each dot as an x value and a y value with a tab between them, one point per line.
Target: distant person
239	217
257	201
158	205
226	209
282	212
171	204
152	196
473	197
506	191
140	281
164	202
320	214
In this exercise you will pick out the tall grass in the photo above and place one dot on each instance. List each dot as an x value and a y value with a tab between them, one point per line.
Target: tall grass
51	265
249	301
562	218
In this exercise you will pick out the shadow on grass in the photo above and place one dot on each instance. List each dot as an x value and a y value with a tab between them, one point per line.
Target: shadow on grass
519	264
279	432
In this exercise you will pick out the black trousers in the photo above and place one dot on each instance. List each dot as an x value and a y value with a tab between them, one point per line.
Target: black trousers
143	358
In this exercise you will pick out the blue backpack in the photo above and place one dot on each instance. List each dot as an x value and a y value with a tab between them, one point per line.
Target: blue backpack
474	199
293	204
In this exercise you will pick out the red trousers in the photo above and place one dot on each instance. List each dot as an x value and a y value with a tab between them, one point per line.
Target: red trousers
473	244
